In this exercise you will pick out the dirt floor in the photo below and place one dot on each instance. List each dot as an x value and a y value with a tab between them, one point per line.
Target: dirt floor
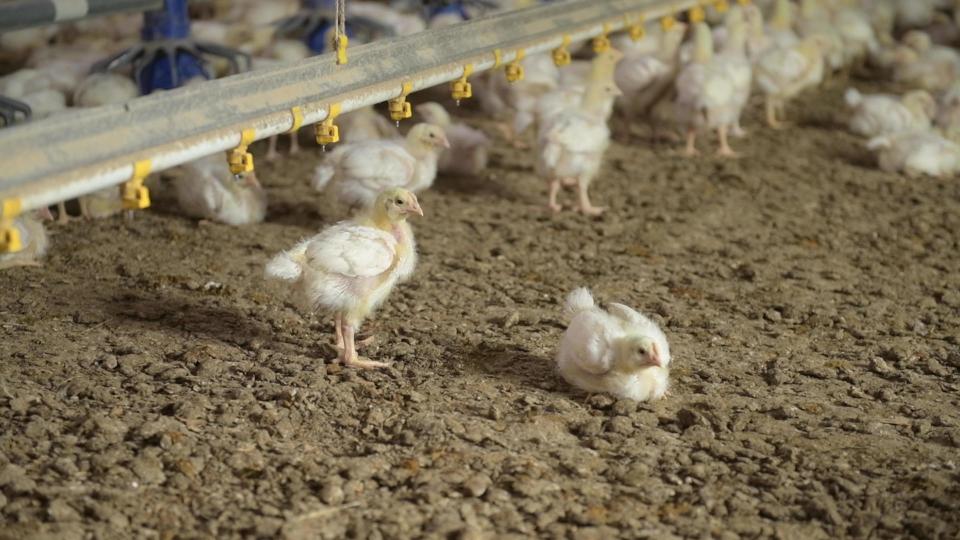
154	385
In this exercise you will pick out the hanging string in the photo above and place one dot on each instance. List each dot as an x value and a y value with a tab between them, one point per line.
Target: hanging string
340	32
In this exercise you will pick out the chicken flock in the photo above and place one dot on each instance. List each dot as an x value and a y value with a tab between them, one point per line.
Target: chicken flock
682	79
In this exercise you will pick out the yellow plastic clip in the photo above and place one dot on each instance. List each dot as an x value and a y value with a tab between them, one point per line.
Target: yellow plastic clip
341	46
10	241
668	22
327	132
400	108
461	88
514	69
561	56
722	6
297	114
241	160
696	15
134	194
635	29
497	58
601	43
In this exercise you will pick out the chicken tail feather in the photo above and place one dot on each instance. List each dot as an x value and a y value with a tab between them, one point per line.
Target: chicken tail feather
288	265
578	300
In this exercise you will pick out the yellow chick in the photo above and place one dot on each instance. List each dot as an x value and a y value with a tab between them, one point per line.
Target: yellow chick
350	268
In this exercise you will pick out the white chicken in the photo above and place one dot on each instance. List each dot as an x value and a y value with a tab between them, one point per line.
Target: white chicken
570	148
469	147
358	172
33	240
948	113
503	99
921	64
917	153
856	31
617	351
207	190
780	28
881	114
707	93
644	79
97	90
365	124
783	72
104	89
350	268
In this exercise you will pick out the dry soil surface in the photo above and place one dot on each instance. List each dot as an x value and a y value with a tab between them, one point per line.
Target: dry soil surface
154	385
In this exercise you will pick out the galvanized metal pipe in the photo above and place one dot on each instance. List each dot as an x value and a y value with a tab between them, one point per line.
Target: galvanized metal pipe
74	154
28	13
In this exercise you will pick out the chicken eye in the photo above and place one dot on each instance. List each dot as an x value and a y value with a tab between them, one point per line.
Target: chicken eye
641	350
399	201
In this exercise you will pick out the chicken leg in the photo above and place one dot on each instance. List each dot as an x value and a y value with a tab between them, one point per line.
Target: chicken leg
340	345
584	198
724	149
554	189
62	216
272	153
349	355
691	148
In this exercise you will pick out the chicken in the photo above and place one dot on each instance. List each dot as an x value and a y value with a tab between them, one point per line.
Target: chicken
914	13
97	90
502	99
570	148
469	147
856	31
33	239
350	268
881	114
815	19
917	153
783	72
707	92
206	189
104	89
357	172
618	351
644	79
948	113
365	124
733	58
921	64
780	29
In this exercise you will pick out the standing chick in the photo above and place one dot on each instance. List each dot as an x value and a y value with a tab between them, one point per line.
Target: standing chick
350	268
618	351
707	93
360	171
33	238
880	114
206	189
571	147
783	72
469	147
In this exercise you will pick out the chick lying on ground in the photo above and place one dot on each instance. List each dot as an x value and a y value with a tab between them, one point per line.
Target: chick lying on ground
469	147
350	268
357	172
618	351
33	240
880	114
917	153
206	189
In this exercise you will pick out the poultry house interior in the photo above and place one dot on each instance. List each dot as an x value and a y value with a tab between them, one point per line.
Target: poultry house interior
696	281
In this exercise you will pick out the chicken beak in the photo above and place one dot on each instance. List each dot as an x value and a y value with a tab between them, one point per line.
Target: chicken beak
655	357
444	142
44	214
414	208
